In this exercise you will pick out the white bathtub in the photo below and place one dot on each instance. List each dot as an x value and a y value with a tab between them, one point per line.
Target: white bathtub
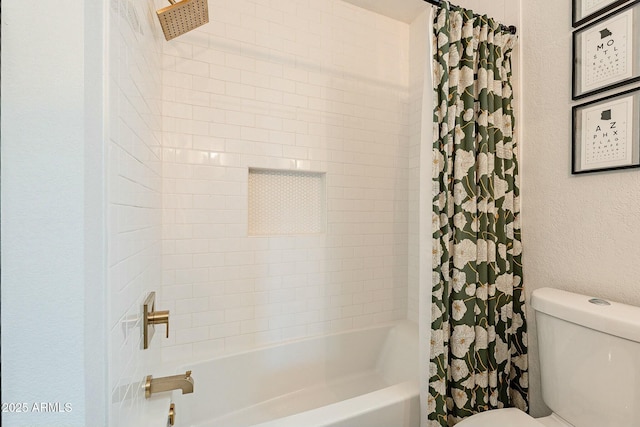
363	378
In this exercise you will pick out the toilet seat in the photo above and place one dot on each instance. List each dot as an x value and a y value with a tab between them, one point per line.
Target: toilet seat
509	417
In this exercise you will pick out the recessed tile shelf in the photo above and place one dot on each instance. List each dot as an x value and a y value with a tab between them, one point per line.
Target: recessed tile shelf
286	202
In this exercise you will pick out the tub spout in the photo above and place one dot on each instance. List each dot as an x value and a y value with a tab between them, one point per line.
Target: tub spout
183	382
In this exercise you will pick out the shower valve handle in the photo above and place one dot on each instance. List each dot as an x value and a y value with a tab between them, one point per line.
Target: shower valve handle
159	318
151	317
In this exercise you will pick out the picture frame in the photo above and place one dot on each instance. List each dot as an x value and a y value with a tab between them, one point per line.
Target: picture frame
606	133
606	52
586	10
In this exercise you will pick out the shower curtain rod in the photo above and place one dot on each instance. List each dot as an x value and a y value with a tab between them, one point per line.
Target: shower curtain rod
511	28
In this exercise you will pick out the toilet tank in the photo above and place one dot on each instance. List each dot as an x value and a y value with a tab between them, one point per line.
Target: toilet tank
589	358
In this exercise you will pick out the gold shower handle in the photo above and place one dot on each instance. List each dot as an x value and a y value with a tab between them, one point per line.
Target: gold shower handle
159	318
152	317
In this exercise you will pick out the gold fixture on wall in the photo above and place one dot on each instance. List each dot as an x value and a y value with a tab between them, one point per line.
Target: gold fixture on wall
172	414
182	17
151	317
183	382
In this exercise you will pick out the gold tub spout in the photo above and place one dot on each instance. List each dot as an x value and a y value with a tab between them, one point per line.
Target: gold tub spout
183	382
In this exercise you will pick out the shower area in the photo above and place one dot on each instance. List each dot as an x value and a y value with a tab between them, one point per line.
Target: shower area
269	177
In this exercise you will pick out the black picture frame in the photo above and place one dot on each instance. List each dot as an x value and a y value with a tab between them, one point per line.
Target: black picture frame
598	43
598	125
579	18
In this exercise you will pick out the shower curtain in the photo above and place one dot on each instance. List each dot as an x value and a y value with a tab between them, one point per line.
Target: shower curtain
478	332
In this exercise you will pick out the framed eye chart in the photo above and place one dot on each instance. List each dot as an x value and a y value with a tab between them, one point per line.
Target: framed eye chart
606	133
606	53
586	10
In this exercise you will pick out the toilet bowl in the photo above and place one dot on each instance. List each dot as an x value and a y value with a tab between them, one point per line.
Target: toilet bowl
511	417
589	351
501	417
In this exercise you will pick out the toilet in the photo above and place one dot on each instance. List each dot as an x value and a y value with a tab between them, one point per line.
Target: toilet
589	361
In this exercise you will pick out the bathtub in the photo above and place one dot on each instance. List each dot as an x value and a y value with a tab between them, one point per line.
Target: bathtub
362	378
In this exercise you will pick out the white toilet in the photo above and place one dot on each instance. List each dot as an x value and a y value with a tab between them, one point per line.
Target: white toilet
590	364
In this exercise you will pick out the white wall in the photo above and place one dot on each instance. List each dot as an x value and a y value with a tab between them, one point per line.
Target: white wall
50	77
134	202
310	85
580	232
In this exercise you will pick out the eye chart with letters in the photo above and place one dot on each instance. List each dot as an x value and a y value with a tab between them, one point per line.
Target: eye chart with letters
606	52
607	134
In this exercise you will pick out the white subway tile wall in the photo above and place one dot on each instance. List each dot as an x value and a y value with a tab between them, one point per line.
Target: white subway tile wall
302	85
134	197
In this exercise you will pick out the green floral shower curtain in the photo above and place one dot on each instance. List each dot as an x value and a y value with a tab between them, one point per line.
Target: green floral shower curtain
479	336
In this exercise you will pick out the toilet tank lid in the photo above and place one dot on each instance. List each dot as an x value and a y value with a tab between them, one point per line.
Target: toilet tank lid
617	319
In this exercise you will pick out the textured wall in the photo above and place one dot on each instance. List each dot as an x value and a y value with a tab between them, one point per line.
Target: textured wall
308	85
43	211
580	232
